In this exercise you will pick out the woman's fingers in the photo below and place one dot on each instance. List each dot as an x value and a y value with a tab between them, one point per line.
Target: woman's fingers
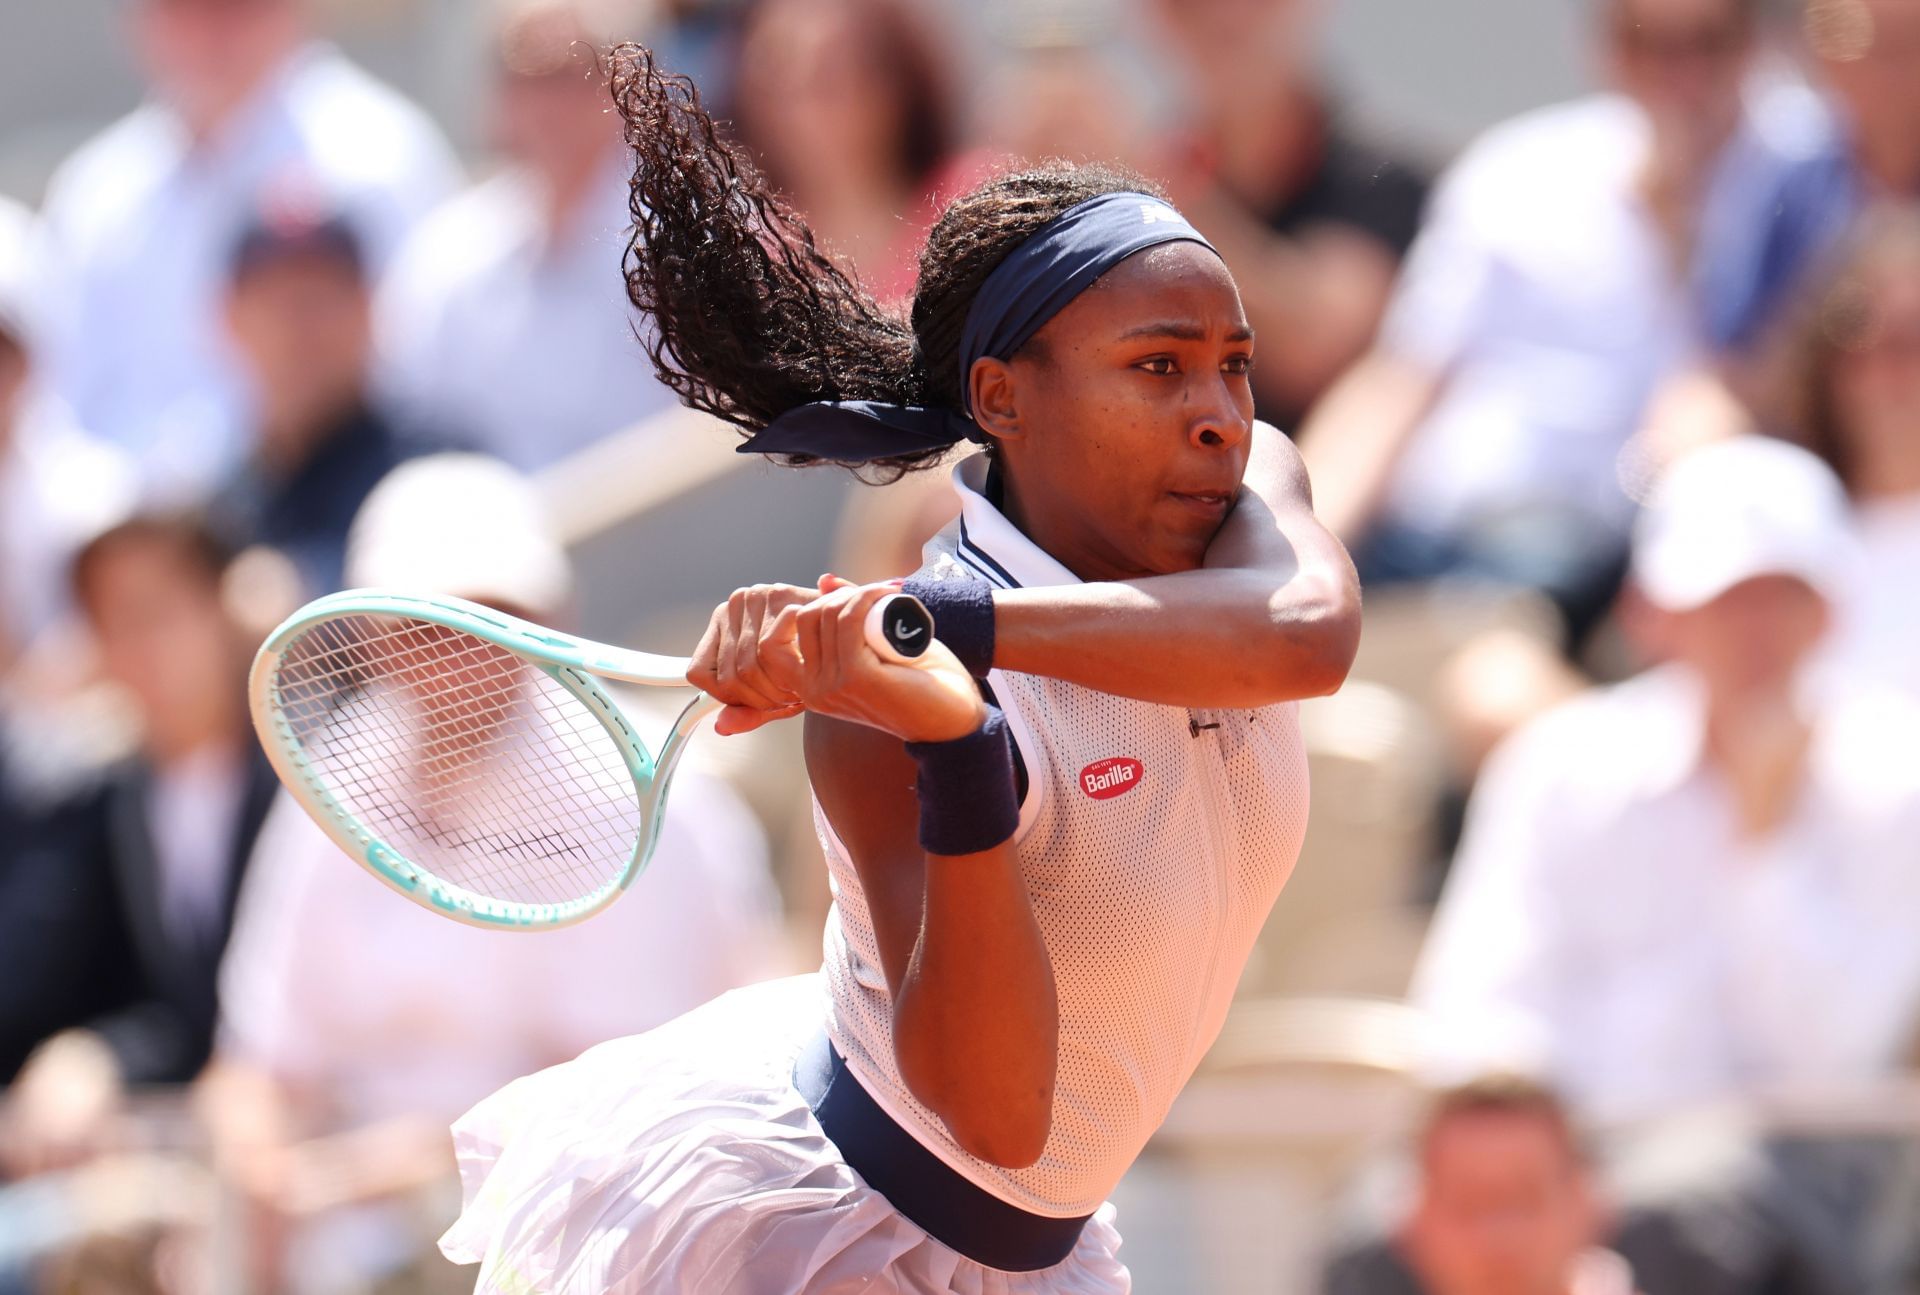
703	671
727	664
749	675
780	654
735	720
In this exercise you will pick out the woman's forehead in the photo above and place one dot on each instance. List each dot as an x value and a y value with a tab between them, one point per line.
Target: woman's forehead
1172	280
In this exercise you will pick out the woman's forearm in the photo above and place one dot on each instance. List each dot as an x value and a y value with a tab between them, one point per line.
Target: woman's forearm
1224	638
975	1019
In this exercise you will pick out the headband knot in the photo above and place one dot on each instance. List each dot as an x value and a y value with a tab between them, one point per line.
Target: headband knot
1030	286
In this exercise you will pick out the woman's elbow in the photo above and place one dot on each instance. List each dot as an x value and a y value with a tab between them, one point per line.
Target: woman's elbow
1011	1140
1316	640
1001	1124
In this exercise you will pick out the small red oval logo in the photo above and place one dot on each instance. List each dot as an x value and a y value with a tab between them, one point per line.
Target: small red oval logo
1105	779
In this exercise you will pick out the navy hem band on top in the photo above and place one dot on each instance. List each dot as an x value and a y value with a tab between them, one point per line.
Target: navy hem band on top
926	1190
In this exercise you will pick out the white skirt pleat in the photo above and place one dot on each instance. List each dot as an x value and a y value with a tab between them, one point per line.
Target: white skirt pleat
684	1162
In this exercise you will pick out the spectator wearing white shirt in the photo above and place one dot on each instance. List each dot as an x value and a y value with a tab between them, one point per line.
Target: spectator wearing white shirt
246	108
358	1025
507	314
1859	368
1701	885
1569	265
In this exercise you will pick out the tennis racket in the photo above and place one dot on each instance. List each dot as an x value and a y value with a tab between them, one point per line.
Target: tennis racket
471	760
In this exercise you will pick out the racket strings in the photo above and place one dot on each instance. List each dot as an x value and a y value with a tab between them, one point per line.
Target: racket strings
473	765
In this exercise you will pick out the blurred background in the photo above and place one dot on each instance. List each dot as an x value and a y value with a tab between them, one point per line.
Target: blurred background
1597	321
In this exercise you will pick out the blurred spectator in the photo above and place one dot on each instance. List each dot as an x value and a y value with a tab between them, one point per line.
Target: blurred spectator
1067	92
506	315
247	109
57	486
299	311
145	868
1312	213
1859	367
1505	1205
846	105
1570	265
358	1025
1699	883
1866	56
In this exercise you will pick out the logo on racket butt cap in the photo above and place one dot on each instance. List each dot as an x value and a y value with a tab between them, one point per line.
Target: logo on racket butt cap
900	627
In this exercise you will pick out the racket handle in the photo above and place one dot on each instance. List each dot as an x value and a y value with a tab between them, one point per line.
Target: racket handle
900	629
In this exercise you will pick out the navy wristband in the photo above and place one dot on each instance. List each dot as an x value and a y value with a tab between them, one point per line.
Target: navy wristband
967	798
962	618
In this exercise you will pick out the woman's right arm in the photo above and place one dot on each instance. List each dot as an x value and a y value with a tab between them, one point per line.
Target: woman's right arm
975	1022
975	1019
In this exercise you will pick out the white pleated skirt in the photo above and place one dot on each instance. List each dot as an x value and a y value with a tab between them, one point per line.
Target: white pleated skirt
684	1162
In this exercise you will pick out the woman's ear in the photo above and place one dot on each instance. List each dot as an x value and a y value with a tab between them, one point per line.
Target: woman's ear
993	397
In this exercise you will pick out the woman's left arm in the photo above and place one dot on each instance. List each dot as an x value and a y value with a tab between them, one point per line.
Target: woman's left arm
1273	615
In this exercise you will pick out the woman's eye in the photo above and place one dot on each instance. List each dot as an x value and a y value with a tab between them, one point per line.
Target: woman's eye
1238	364
1161	365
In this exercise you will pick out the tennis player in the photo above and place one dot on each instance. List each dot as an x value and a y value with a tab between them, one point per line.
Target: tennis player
1052	841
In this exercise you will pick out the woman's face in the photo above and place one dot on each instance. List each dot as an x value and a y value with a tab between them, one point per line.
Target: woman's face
1124	426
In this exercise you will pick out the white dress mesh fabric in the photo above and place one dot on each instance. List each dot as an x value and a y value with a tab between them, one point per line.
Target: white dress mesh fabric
1149	895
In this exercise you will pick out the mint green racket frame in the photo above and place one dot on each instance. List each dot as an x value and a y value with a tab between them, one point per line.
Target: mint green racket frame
572	662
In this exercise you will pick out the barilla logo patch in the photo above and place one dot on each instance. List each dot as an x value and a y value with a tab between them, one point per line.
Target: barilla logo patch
1105	779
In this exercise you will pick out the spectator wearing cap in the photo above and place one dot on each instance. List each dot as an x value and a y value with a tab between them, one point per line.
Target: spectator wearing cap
1700	882
247	108
1313	211
358	1025
299	312
506	314
58	486
1573	261
1505	1203
1698	886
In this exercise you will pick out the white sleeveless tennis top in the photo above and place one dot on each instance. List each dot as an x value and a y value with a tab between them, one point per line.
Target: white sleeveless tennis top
1153	839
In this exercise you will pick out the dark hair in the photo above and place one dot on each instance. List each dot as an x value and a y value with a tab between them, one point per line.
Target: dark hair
907	52
1840	320
750	318
192	539
1503	1094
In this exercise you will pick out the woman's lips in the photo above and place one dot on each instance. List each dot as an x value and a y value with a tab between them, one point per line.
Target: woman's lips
1210	503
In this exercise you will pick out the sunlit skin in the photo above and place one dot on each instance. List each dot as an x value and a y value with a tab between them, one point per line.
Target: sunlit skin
1125	425
1504	1207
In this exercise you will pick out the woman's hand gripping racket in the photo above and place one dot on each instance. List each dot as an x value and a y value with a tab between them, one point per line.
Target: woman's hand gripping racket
471	760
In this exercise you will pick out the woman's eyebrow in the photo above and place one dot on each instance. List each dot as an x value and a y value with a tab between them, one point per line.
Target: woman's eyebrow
1183	330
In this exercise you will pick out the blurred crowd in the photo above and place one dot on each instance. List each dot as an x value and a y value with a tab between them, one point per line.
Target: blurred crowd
1637	376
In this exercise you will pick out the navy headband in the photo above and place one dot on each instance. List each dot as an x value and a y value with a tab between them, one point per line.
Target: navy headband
1032	285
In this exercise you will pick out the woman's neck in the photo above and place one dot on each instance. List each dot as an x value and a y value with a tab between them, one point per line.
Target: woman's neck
1056	536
